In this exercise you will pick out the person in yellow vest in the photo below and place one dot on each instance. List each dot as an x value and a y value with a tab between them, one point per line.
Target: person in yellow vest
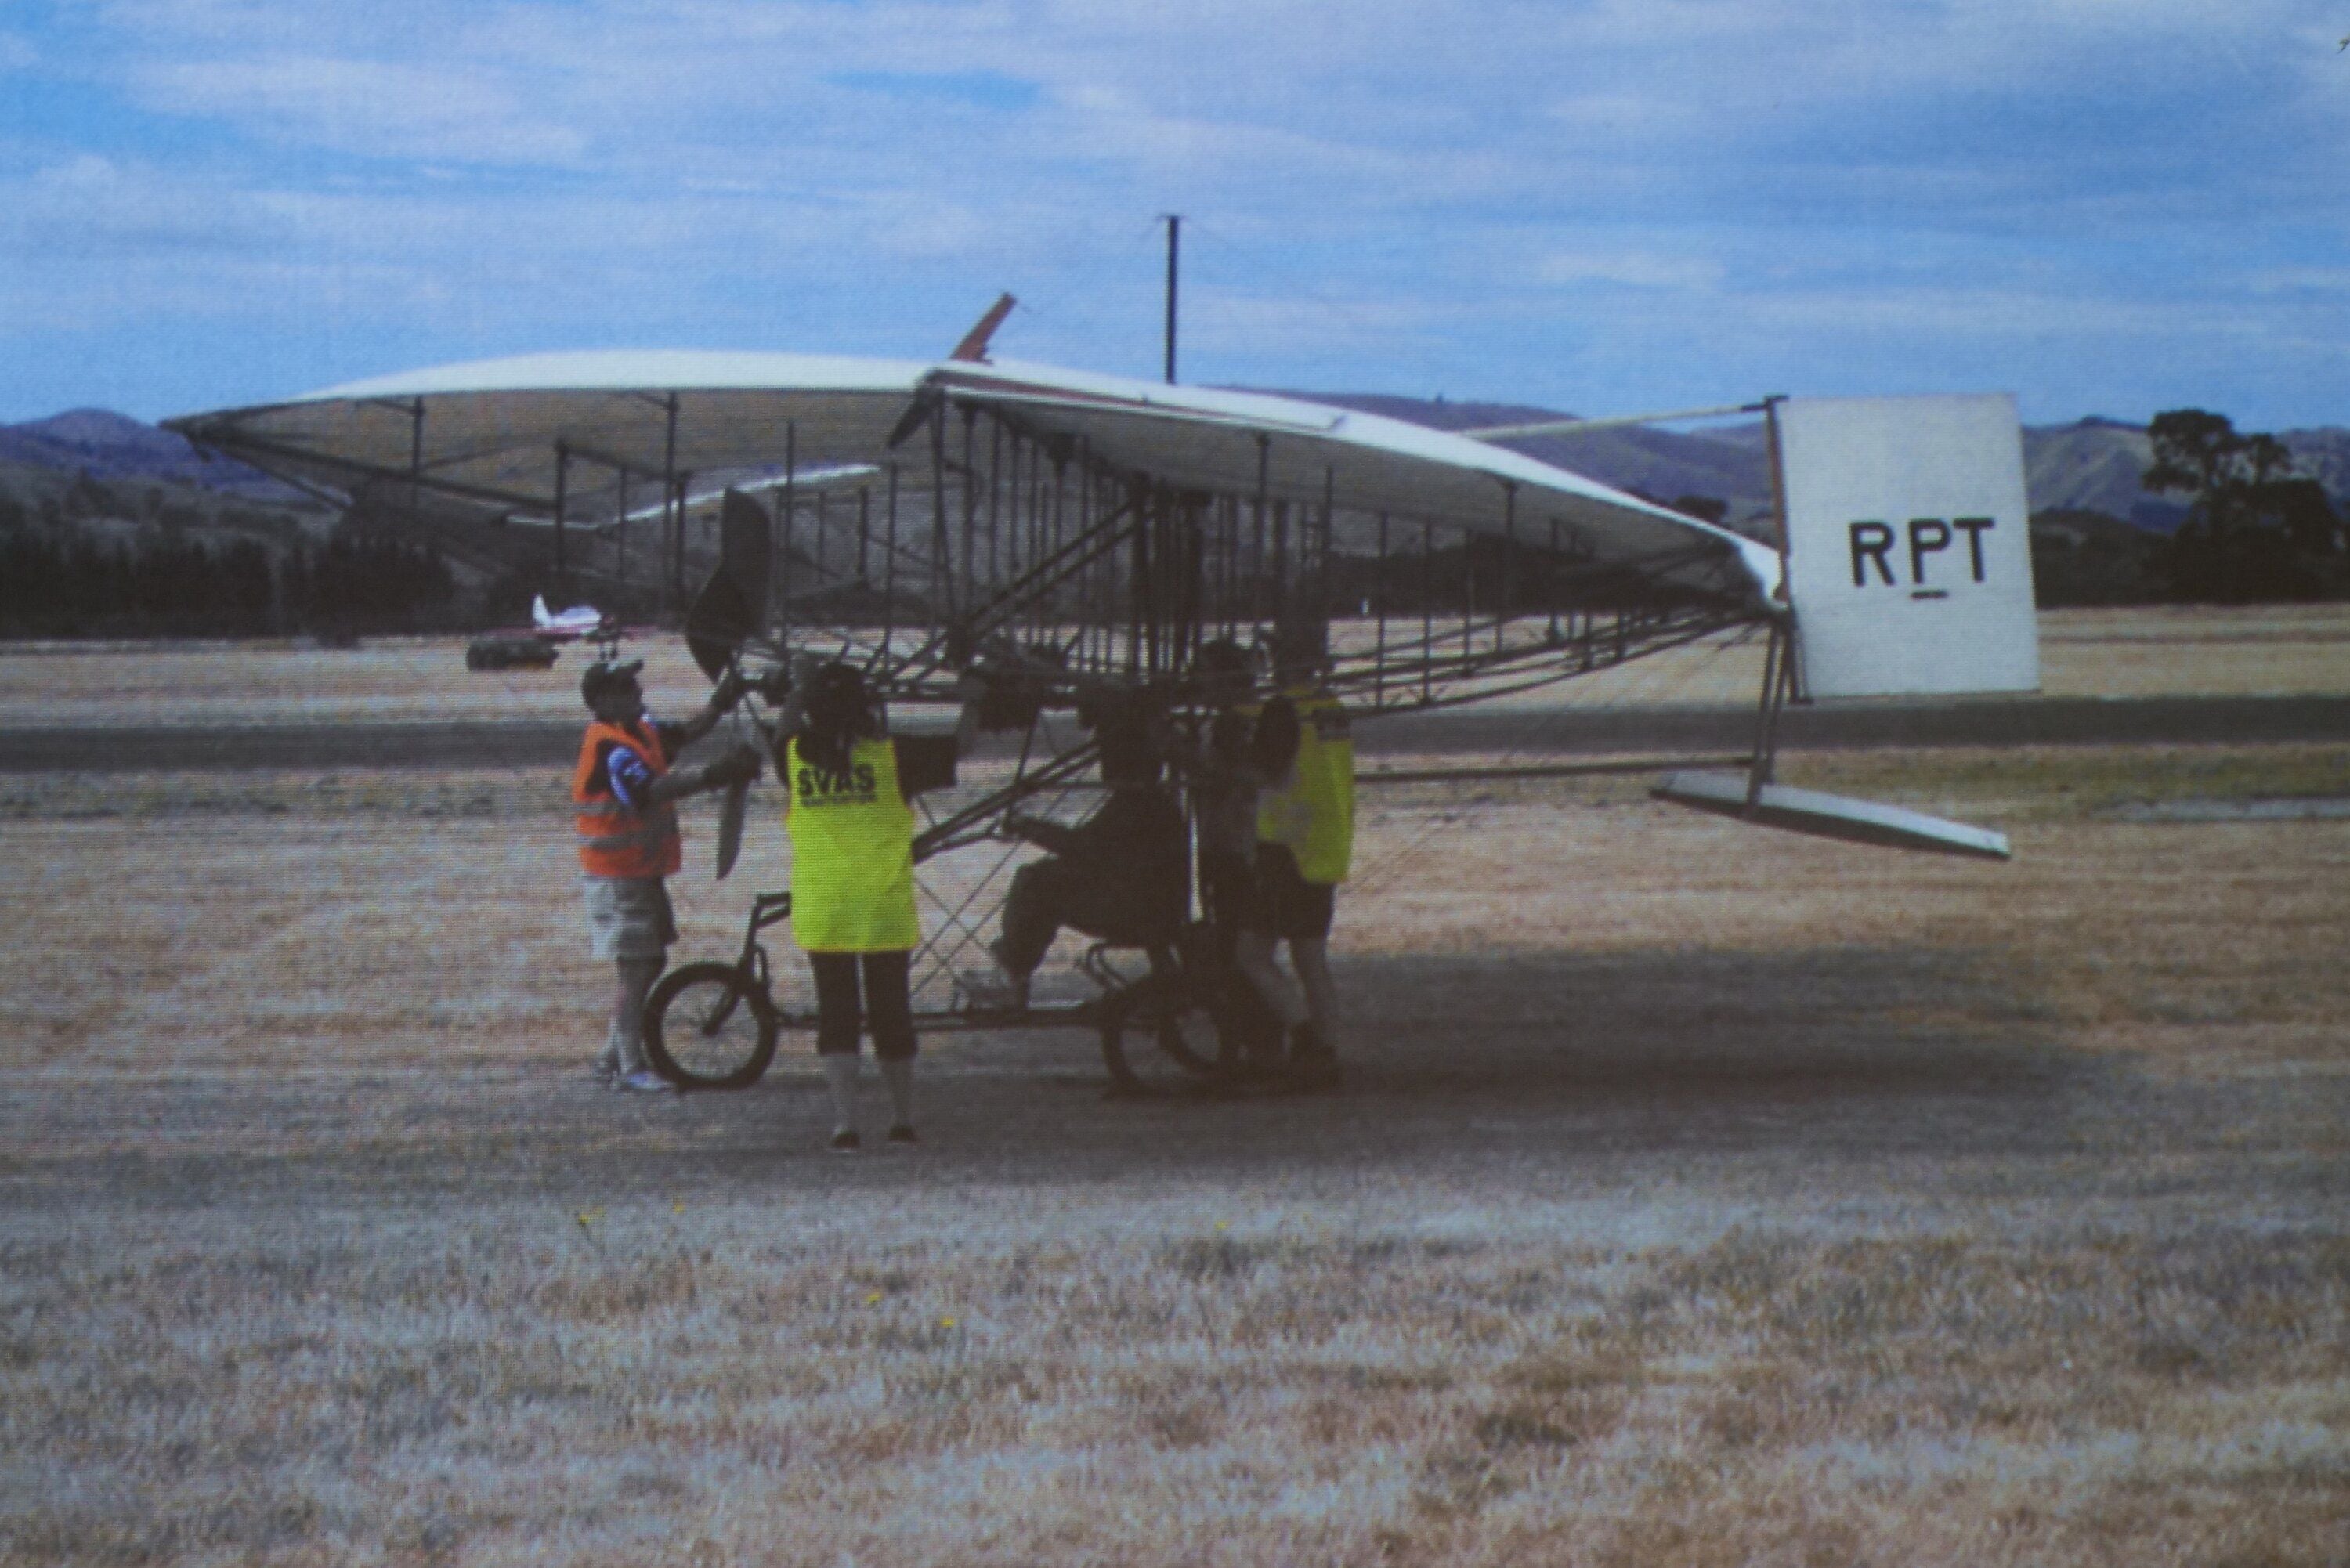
624	794
1302	753
848	787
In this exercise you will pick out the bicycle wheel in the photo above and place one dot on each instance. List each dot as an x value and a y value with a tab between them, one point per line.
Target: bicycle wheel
706	1028
1161	1008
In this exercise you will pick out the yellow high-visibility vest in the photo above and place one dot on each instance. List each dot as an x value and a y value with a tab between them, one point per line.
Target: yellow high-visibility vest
852	853
1312	810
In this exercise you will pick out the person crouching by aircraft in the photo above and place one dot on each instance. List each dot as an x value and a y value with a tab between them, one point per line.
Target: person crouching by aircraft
624	795
1121	875
848	784
1304	755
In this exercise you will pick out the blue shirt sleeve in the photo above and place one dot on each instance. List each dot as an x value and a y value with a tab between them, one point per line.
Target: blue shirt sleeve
630	777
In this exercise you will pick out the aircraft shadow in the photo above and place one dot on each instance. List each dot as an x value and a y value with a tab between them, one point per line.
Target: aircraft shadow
1859	1050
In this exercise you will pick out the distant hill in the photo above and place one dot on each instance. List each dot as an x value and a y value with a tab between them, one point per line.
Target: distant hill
1664	465
2091	465
108	446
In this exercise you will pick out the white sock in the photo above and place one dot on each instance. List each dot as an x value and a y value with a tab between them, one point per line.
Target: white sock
840	1077
899	1078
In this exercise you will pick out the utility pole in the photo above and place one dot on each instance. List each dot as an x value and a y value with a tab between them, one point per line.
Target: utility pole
1174	244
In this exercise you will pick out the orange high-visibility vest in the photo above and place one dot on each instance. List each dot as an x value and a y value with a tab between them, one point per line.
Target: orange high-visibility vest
613	840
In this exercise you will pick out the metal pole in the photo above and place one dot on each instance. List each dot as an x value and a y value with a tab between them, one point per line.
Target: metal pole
1777	672
941	574
1427	607
1468	591
1509	559
1281	561
1379	587
781	570
1263	482
1322	546
1550	579
995	501
1779	517
889	569
1174	242
672	513
969	504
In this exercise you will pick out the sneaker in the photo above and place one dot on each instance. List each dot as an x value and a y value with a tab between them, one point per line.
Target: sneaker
903	1134
846	1141
1313	1065
645	1081
995	991
604	1075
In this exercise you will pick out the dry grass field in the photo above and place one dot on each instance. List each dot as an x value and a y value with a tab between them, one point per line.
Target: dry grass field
2265	650
1699	1195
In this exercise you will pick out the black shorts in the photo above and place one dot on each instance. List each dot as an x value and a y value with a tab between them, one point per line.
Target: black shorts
1283	903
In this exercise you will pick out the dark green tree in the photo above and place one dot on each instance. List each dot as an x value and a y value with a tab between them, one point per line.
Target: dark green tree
2253	531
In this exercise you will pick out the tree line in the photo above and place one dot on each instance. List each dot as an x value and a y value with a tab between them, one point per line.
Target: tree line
166	587
2255	530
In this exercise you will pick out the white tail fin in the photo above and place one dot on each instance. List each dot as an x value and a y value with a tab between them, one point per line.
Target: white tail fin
1909	551
538	613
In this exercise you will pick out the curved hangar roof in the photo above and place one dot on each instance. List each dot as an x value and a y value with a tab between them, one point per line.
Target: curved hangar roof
489	431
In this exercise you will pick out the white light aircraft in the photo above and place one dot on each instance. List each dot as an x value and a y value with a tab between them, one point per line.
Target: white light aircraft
571	624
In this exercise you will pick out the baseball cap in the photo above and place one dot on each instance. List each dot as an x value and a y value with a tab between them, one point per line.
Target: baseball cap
604	674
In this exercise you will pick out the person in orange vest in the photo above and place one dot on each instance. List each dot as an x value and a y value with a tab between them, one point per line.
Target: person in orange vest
624	794
847	785
1303	754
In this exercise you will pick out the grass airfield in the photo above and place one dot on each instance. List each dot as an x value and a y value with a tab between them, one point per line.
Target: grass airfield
1699	1195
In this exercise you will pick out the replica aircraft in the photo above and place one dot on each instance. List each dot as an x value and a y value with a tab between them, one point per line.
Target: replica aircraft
1054	539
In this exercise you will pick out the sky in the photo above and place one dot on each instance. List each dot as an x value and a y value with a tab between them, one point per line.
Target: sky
2109	207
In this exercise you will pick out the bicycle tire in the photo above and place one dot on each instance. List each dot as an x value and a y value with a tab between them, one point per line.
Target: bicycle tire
706	1027
1180	1025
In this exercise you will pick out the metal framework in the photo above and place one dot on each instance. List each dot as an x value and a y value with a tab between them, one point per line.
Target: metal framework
977	541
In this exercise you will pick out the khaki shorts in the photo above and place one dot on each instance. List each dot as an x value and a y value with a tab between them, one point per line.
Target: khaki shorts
628	917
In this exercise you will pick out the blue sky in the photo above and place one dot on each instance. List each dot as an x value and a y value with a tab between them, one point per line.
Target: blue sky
2107	207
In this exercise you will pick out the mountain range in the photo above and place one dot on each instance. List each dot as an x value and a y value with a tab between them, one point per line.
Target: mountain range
2090	465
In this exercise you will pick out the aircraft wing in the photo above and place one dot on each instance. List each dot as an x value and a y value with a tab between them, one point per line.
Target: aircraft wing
1306	451
501	435
494	432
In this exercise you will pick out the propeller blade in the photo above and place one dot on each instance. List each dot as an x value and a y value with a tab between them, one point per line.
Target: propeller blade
918	414
746	546
973	346
717	623
730	826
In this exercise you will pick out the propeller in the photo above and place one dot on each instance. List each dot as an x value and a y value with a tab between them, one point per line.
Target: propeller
918	414
730	610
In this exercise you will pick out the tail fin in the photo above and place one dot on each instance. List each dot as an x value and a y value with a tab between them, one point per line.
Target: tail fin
540	617
1909	554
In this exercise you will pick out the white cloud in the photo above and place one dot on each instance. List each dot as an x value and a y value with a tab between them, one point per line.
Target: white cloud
372	107
1387	183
